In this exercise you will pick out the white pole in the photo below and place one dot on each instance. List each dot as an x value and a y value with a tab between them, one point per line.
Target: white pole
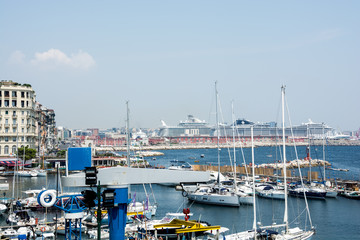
233	132
253	179
218	132
284	156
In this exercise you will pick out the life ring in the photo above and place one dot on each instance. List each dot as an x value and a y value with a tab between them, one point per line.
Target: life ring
184	193
42	229
47	198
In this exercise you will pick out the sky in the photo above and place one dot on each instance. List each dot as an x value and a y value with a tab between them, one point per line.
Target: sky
85	59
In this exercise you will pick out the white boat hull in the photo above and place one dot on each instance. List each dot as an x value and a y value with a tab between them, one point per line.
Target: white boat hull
215	199
279	195
295	234
246	200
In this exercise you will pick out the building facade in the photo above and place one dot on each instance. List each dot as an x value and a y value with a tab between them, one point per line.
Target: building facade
46	128
18	123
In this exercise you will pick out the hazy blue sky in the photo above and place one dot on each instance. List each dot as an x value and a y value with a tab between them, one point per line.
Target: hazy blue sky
84	59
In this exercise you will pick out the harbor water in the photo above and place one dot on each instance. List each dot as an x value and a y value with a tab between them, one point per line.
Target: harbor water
336	218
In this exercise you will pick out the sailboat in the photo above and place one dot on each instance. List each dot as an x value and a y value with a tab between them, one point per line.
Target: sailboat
291	233
136	207
251	234
244	197
215	193
272	231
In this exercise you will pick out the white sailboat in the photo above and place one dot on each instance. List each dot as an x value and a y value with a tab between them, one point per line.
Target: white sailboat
215	193
251	234
135	207
244	197
291	233
272	231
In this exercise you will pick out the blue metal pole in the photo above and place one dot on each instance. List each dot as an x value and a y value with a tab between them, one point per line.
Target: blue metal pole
117	214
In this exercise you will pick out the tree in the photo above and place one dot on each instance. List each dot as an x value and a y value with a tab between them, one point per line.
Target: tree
61	153
30	153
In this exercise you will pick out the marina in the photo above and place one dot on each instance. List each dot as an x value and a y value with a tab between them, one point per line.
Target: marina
328	215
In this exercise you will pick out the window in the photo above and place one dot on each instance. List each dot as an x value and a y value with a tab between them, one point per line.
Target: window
14	149
14	121
6	139
6	130
13	103
27	103
22	130
22	139
6	103
6	112
13	94
27	94
14	139
0	104
22	104
22	112
6	93
22	94
22	121
14	130
6	149
14	113
6	121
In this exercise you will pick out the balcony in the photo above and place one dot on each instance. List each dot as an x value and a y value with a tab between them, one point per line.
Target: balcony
6	125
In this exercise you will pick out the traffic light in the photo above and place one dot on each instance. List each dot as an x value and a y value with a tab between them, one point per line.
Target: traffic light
90	176
108	198
89	198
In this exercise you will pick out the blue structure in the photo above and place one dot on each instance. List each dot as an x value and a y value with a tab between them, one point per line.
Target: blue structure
117	214
79	158
73	208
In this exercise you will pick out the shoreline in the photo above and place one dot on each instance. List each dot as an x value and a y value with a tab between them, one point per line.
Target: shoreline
340	142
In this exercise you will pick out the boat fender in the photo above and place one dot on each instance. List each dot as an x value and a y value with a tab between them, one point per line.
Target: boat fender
47	198
184	193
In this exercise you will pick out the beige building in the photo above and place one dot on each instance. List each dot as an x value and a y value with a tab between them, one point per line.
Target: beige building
18	124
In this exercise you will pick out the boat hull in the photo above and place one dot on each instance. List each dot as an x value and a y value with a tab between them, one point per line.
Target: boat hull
309	194
215	199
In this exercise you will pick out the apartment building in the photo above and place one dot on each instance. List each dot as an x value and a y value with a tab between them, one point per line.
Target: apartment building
18	123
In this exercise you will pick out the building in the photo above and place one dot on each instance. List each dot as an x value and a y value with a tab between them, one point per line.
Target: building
18	123
46	128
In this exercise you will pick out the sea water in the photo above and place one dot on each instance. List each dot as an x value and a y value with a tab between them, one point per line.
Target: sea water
333	218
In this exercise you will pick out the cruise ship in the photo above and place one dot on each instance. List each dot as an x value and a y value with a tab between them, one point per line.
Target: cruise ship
193	127
190	127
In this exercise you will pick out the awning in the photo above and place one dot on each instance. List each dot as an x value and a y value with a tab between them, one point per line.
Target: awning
12	163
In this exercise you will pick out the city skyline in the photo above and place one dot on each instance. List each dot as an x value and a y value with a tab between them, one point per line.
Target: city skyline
86	59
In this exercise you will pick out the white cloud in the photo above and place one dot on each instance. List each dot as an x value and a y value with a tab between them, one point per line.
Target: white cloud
17	57
54	58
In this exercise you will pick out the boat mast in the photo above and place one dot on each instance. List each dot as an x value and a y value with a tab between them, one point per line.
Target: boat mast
128	142
127	135
308	152
218	133
323	132
284	156
233	132
253	178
